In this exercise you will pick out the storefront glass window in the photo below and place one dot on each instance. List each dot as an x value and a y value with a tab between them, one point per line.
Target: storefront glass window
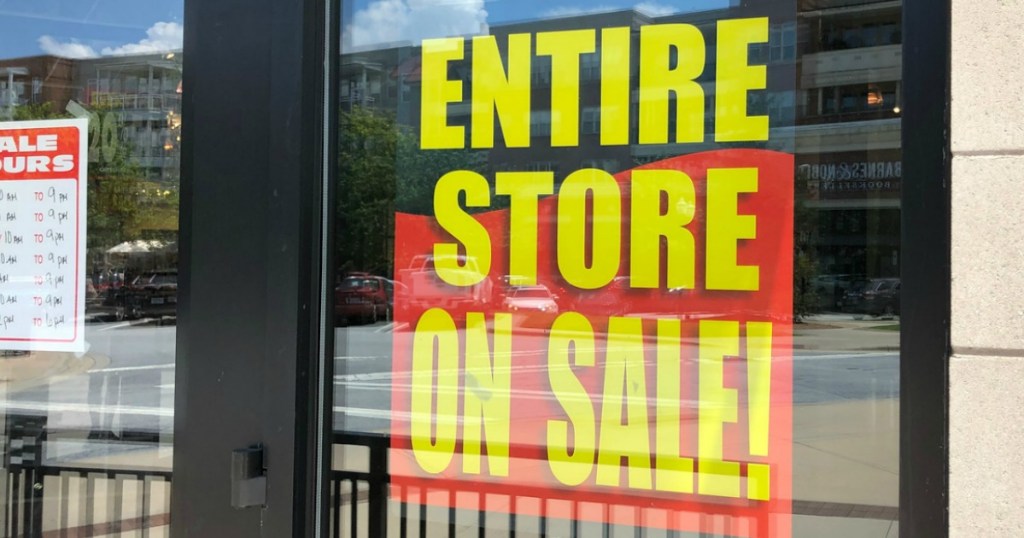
90	122
631	270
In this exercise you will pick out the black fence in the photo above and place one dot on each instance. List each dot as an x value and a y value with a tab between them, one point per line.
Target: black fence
47	499
367	503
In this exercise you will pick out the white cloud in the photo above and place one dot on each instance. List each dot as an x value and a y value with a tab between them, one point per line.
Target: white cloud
651	9
71	49
389	21
572	11
161	37
654	9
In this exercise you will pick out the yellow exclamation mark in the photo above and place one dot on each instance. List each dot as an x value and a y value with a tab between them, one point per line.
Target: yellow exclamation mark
759	377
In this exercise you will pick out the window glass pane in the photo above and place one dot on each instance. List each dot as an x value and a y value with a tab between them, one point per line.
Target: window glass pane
628	299
90	123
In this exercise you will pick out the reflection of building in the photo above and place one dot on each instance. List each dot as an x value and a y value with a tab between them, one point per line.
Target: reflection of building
848	134
137	100
144	94
34	80
835	75
134	108
843	60
389	79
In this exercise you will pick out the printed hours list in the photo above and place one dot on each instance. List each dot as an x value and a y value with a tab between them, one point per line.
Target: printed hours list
42	235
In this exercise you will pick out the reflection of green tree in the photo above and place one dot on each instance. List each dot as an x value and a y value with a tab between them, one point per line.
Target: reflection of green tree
114	198
38	111
121	202
420	170
382	170
805	295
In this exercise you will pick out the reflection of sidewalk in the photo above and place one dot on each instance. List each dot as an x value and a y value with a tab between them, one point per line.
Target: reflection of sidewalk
845	481
42	367
829	332
834	333
102	505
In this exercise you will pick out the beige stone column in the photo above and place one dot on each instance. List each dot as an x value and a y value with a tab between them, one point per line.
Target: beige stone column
986	375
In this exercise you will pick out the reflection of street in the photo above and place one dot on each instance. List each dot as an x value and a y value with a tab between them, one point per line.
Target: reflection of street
845	403
132	390
834	361
846	390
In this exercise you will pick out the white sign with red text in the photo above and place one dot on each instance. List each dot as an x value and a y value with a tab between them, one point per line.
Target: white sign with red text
42	234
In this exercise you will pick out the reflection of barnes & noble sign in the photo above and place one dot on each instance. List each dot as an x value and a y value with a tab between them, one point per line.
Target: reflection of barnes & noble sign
852	176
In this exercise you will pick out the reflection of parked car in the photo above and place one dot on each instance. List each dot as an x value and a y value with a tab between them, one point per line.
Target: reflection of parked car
606	301
530	299
426	289
533	305
876	297
153	293
363	297
831	289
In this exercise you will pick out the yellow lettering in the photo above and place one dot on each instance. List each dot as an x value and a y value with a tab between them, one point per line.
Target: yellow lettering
572	228
658	79
650	224
571	334
437	92
487	394
523	188
672	473
615	86
718	406
463	227
735	77
565	49
624	370
493	90
433	452
725	227
759	383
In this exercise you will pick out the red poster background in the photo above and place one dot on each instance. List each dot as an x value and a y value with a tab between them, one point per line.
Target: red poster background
67	144
530	487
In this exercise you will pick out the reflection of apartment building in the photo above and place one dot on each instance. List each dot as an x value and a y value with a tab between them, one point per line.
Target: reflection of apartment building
389	79
137	101
143	93
848	132
833	98
34	80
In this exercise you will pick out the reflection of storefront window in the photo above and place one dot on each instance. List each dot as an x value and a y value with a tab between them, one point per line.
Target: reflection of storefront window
854	32
876	99
591	118
540	123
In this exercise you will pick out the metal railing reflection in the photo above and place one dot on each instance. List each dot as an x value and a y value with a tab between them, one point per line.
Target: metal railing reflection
44	498
366	501
52	499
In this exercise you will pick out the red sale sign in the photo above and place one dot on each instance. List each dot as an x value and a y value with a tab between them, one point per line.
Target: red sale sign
616	340
42	234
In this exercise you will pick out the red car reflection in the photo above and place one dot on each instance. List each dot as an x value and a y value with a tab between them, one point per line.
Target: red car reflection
363	299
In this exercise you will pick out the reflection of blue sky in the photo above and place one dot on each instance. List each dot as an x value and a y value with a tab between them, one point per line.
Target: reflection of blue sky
84	26
388	21
514	10
103	27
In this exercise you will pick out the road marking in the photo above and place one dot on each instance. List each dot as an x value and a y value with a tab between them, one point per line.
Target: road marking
115	326
62	407
133	369
386	328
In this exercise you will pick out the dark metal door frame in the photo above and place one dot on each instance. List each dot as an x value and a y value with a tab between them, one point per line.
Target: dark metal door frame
250	336
926	200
